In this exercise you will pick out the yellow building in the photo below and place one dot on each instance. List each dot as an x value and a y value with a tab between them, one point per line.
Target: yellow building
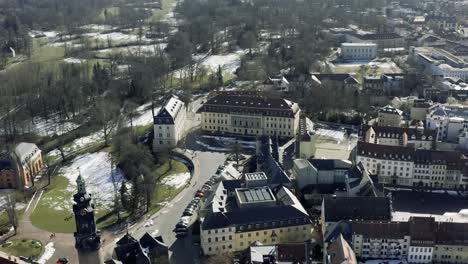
19	167
239	213
249	113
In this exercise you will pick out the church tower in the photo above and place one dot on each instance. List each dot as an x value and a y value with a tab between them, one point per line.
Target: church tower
87	237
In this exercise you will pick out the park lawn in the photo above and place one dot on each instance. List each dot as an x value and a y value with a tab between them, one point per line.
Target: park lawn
162	192
44	53
23	247
53	216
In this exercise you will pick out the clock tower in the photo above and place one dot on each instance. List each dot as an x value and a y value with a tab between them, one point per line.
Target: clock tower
87	237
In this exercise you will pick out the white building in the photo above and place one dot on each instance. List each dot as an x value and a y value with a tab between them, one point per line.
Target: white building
439	62
358	51
407	166
250	113
169	124
449	121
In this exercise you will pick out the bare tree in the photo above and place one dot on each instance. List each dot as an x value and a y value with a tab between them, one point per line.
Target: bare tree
10	209
105	117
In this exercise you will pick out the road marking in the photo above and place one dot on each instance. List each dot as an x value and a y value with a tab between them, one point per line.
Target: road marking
32	198
38	199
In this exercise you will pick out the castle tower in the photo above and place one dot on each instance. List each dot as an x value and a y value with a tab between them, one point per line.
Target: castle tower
87	237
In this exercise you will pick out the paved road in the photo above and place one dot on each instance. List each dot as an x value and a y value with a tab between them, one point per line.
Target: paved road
181	250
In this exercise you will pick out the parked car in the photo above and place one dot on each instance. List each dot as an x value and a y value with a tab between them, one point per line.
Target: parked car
199	194
180	229
187	213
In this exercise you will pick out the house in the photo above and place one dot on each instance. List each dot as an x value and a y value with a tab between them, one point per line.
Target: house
340	80
249	113
235	216
19	167
358	51
335	209
340	252
399	136
147	250
448	120
407	166
169	125
389	116
276	83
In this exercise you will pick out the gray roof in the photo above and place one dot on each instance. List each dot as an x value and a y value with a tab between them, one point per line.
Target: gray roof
23	149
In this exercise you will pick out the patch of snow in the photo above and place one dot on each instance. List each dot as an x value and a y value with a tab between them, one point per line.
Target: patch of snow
177	180
52	126
95	168
144	49
460	217
97	27
210	147
60	44
229	62
336	135
49	251
144	115
74	60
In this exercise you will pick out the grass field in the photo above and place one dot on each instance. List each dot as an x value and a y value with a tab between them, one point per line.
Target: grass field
54	211
23	247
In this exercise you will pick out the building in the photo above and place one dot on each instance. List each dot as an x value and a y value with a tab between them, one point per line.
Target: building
399	136
389	116
420	240
281	253
169	124
146	250
358	51
420	108
235	216
448	120
305	144
439	62
448	23
19	167
340	80
389	83
407	166
340	252
335	209
276	83
383	40
249	113
87	237
320	171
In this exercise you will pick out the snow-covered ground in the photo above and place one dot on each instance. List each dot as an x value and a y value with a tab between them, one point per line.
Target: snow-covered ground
48	34
51	126
98	27
79	143
228	62
49	251
144	115
144	49
456	217
73	60
100	178
177	180
60	44
334	134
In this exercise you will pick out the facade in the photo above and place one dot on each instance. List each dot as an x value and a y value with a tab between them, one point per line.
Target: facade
341	80
235	216
399	136
340	252
358	51
449	121
19	167
383	40
389	83
389	116
420	240
249	113
169	124
420	109
305	144
87	237
407	166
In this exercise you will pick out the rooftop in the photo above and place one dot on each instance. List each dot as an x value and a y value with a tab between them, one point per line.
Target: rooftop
356	208
255	195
